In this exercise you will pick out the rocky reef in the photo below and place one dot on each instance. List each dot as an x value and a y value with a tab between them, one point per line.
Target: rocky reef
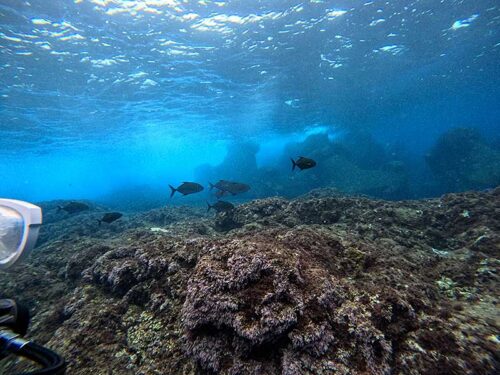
356	165
462	159
322	284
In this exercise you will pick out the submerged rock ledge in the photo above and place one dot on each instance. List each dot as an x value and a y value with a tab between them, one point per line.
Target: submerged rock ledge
323	284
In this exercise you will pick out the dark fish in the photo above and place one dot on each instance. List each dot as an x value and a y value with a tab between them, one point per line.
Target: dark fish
110	217
186	188
73	207
219	185
230	187
303	163
221	206
220	193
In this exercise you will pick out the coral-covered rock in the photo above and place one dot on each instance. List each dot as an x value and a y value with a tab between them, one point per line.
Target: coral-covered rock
258	306
307	301
323	284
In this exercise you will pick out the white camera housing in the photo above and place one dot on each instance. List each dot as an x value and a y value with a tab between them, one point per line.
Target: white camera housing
32	219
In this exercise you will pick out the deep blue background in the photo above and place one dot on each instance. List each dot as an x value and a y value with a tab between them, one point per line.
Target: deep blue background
99	98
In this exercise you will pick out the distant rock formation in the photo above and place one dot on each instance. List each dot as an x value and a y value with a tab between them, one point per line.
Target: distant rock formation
462	160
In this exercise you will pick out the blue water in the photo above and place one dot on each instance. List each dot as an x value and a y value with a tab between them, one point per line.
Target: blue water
104	97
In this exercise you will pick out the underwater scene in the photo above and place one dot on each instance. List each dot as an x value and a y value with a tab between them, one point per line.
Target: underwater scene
251	186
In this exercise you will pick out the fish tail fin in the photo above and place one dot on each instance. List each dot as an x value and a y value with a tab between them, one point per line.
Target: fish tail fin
173	191
211	185
294	164
209	207
99	221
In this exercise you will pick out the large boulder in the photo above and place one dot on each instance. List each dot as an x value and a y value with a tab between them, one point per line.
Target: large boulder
462	160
